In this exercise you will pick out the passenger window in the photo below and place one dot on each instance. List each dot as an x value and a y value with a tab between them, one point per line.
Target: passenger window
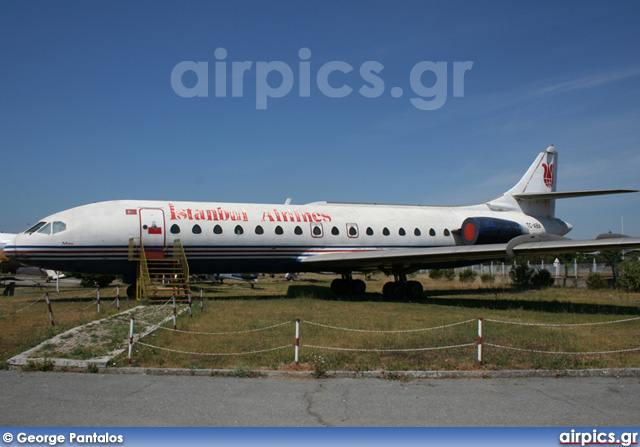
369	231
259	230
46	229
238	230
316	230
352	230
401	232
279	230
175	229
59	227
217	229
196	229
417	232
432	232
298	230
447	232
385	231
335	231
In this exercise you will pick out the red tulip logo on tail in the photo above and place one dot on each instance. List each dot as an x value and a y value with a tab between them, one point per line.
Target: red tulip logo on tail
548	174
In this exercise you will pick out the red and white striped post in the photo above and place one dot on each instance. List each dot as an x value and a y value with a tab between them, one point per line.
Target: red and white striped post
175	312
130	341
190	309
201	301
480	341
46	295
297	349
98	298
118	296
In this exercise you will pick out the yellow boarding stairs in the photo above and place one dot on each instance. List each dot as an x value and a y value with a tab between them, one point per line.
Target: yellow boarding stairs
160	277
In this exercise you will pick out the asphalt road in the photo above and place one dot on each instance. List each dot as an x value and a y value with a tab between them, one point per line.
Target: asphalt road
74	399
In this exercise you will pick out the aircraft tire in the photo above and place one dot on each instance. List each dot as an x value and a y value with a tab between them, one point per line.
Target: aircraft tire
393	291
131	292
340	286
358	287
414	290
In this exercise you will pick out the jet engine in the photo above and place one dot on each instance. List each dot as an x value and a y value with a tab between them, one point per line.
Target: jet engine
488	230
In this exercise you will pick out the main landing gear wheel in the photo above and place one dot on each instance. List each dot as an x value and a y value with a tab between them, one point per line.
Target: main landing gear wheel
131	292
411	290
347	286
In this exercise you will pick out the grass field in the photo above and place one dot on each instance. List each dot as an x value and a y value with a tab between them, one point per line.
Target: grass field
233	308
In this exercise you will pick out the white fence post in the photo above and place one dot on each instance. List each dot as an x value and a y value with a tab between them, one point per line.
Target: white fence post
130	341
297	349
49	306
480	341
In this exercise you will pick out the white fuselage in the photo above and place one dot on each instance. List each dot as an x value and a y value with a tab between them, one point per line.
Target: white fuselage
240	237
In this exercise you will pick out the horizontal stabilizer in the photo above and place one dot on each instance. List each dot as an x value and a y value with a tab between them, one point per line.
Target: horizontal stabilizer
570	194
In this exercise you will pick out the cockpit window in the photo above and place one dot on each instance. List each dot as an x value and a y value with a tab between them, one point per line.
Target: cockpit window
46	229
59	227
35	228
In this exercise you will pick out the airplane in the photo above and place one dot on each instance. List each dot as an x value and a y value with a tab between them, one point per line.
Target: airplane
317	237
10	265
250	278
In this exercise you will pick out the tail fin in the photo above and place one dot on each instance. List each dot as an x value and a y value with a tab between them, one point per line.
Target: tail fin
541	176
540	179
534	193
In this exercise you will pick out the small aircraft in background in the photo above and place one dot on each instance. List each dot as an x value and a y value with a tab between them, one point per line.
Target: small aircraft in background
250	278
321	236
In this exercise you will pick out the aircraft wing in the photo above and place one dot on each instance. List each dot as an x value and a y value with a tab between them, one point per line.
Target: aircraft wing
436	257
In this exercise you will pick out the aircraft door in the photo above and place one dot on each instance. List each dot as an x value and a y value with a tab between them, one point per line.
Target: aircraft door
152	232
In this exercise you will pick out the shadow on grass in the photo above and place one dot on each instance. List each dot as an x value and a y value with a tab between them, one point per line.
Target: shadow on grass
471	299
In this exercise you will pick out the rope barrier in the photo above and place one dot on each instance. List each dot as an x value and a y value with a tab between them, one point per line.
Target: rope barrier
389	332
76	310
562	325
561	352
214	333
390	350
25	307
210	353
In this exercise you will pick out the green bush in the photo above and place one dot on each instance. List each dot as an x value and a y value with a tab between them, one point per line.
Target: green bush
521	275
542	278
596	281
487	278
629	276
467	275
449	274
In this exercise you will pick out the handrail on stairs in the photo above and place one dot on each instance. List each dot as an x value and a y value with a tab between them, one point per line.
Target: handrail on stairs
143	285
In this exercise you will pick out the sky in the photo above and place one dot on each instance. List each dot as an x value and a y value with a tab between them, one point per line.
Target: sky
443	103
